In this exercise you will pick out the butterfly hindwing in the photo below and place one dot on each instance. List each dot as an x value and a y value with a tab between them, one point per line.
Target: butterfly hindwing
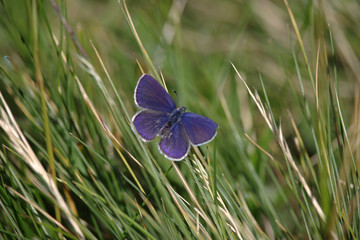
148	123
175	144
200	129
151	95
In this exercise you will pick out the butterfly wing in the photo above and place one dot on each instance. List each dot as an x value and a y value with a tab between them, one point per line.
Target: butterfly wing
200	129
175	144
148	123
151	95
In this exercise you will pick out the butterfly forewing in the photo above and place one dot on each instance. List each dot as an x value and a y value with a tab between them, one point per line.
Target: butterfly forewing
151	95
199	128
175	144
148	123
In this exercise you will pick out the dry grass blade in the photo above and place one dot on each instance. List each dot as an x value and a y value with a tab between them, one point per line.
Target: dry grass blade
39	209
256	100
298	36
260	148
186	216
284	147
22	147
110	135
233	224
133	29
192	195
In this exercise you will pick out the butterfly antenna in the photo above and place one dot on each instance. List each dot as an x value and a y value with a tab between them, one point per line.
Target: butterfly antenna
177	98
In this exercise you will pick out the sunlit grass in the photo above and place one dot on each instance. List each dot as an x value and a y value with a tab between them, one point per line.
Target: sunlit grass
274	76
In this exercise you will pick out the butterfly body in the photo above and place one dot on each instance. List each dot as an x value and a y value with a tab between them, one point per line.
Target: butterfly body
160	117
174	118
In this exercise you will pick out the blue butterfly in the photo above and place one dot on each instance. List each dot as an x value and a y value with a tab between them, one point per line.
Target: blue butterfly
160	117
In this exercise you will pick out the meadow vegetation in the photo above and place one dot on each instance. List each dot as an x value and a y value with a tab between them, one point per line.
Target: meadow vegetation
281	79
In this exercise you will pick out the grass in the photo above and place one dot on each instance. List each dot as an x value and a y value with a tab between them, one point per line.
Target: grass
279	78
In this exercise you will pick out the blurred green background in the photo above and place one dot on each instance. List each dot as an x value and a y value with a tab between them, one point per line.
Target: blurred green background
193	42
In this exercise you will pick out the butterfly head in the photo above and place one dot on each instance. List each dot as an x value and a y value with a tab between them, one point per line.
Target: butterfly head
182	109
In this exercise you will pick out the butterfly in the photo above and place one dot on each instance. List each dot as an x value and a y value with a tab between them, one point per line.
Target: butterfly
160	117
